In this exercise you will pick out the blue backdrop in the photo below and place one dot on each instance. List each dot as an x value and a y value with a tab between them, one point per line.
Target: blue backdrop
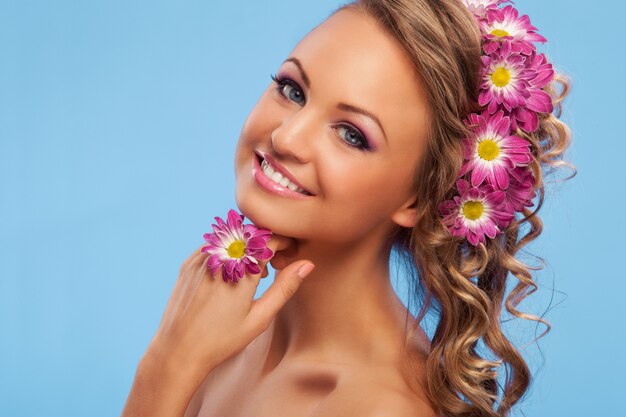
118	125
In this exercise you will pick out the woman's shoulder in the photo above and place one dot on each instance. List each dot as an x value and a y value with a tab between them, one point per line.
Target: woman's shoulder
390	385
383	391
392	389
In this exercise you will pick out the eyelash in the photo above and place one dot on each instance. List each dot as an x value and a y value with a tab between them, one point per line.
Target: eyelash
281	82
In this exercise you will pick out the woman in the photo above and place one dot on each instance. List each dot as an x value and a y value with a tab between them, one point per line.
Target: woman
366	115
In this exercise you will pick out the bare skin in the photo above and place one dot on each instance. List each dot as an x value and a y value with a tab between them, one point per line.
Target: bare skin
337	347
332	344
206	322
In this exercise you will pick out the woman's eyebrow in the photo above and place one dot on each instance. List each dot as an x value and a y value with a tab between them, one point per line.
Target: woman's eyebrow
302	72
340	106
355	109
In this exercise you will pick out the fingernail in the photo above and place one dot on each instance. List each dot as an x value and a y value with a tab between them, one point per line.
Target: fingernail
304	270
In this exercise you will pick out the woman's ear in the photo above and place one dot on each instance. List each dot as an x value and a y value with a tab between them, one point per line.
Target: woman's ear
406	215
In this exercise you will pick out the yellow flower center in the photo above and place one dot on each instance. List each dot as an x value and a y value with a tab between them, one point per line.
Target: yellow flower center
501	76
500	33
236	249
488	149
473	209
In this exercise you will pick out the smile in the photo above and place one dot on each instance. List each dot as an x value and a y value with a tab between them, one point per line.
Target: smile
273	181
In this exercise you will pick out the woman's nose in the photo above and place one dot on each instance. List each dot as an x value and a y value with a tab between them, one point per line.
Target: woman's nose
295	136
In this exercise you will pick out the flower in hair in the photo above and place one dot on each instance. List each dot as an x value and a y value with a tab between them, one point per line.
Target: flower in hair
481	7
506	27
235	247
520	192
496	180
538	101
477	212
506	81
492	151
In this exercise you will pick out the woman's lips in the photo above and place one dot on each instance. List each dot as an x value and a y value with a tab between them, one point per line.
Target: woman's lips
272	186
276	166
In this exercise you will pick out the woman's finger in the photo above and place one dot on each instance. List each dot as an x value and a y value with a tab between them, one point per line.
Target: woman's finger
279	245
282	289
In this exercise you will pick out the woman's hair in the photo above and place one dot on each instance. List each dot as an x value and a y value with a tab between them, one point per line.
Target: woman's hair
466	282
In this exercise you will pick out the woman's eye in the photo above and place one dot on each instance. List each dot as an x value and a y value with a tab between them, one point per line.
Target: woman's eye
293	93
354	138
289	89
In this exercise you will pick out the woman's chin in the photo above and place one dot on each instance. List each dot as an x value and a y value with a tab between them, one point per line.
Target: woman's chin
263	218
270	214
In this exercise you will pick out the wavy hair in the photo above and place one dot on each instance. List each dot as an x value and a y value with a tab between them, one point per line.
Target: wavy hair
467	283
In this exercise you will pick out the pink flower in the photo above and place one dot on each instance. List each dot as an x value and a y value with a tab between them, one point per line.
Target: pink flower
236	248
480	7
492	152
538	100
506	81
520	192
495	180
505	27
476	212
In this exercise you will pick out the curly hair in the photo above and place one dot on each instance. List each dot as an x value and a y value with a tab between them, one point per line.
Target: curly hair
466	282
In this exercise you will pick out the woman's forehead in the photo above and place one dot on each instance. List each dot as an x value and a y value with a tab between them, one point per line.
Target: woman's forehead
355	44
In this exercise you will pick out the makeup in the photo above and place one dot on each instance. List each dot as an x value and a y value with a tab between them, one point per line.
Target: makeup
268	184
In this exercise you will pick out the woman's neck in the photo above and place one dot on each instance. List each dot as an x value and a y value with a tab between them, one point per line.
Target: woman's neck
346	310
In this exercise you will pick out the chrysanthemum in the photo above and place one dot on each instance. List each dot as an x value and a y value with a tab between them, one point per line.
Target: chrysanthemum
505	81
505	27
235	247
492	151
538	100
496	180
476	212
480	7
520	192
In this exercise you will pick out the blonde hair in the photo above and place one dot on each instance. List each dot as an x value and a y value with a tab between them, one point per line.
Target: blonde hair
468	283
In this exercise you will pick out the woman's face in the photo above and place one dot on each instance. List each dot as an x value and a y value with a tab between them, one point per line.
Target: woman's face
358	167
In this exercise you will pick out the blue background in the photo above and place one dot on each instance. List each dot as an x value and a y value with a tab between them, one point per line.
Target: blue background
118	125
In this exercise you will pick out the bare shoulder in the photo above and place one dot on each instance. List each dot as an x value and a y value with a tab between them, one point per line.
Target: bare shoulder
379	394
397	390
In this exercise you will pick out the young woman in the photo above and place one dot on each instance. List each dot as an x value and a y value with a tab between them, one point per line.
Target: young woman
366	117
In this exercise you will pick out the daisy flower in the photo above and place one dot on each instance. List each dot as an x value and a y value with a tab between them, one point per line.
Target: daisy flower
480	7
505	27
476	212
505	81
492	151
496	180
235	247
520	192
538	100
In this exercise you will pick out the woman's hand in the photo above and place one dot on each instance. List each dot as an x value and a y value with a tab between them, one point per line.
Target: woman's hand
207	320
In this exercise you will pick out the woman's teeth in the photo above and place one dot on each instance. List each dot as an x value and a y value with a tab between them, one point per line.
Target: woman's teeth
278	178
